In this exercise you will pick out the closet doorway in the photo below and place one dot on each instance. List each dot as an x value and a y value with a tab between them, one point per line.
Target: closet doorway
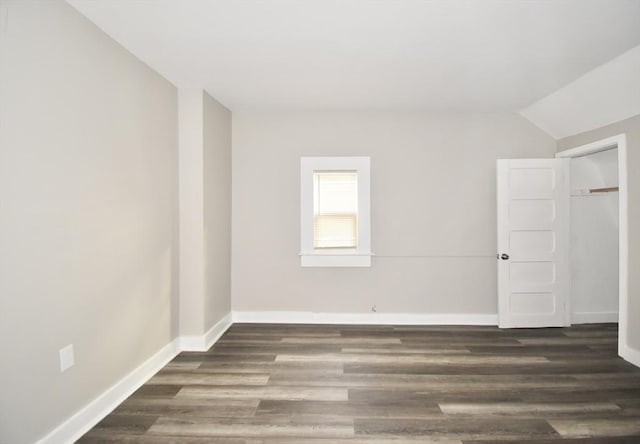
598	227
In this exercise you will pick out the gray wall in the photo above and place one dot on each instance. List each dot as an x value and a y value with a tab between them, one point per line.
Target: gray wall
205	211
217	210
433	209
632	129
88	225
191	197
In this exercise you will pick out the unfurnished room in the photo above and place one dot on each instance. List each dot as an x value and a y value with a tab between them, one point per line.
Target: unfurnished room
320	221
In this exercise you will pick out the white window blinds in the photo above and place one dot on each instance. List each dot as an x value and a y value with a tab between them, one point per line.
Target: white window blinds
335	203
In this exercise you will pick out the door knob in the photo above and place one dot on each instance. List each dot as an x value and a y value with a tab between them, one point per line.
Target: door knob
504	256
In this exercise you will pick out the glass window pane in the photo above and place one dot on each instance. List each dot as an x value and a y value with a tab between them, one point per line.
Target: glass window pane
335	209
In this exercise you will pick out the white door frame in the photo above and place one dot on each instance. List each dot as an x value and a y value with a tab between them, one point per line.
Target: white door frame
620	142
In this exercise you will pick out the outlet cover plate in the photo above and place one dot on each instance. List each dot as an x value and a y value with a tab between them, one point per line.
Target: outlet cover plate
66	358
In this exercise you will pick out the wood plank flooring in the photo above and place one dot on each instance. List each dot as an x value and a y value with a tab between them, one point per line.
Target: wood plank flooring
321	384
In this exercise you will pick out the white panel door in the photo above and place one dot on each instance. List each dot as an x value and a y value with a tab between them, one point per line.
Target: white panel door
533	242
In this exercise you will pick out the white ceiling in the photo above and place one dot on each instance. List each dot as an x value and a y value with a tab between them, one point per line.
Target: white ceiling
610	93
453	55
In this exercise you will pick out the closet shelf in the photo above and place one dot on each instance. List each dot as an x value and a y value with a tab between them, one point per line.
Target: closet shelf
603	190
582	192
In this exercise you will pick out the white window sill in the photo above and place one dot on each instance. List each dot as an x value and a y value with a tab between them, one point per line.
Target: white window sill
335	259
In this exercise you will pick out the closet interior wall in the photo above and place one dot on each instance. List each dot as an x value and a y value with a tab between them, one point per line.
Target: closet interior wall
594	237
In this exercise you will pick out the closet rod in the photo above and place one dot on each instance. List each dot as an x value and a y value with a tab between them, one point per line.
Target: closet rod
603	190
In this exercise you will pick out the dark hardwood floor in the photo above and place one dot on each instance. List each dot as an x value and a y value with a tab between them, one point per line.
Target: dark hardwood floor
378	384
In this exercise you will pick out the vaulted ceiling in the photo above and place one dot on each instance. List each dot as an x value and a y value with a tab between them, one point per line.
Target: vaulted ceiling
442	55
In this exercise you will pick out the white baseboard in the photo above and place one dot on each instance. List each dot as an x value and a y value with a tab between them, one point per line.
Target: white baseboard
630	354
204	342
80	423
594	317
306	317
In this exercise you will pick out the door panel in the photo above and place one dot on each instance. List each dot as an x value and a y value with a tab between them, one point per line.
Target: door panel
525	303
533	241
531	214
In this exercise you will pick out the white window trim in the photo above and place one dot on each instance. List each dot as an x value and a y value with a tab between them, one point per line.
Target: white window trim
357	257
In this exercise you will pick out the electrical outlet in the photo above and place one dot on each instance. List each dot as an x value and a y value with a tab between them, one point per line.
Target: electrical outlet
66	358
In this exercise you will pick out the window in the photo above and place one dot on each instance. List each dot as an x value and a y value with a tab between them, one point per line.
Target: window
335	209
335	212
